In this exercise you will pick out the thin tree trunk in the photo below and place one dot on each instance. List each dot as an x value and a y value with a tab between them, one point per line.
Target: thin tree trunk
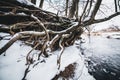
77	9
41	3
115	5
72	9
95	10
119	5
66	10
33	1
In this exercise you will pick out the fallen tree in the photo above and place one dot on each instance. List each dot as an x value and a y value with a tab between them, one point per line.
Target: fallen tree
36	25
43	30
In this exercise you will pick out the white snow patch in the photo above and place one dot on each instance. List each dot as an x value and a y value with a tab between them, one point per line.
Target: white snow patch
25	2
44	71
12	66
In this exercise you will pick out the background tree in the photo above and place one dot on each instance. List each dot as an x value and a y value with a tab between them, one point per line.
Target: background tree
66	9
74	9
41	3
33	1
117	5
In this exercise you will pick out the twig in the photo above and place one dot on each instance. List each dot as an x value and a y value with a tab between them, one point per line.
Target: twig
28	59
61	52
26	72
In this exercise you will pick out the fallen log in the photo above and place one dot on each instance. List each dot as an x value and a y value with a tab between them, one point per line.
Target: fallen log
30	24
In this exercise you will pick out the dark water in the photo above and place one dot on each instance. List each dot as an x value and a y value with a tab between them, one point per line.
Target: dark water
103	57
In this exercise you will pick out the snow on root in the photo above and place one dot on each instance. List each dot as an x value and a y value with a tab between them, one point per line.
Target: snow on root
12	66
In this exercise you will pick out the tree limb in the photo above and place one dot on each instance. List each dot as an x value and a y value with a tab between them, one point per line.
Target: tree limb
6	46
88	22
18	36
95	10
107	18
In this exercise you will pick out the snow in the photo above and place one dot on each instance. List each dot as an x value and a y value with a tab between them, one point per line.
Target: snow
44	71
25	2
12	66
21	13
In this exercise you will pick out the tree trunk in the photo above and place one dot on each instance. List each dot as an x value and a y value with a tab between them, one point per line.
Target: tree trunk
77	9
119	4
43	30
95	10
115	5
41	3
74	8
33	1
48	29
66	10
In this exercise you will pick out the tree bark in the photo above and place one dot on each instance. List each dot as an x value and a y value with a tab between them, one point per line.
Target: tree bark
33	1
66	10
41	3
74	9
77	9
115	5
95	10
48	24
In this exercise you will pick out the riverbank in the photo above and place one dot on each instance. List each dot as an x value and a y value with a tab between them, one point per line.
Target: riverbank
103	56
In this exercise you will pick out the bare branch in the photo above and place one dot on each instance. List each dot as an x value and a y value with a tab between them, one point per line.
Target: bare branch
18	36
5	47
88	22
107	18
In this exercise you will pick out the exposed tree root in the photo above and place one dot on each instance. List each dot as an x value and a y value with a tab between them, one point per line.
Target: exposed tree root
29	60
26	72
42	30
61	52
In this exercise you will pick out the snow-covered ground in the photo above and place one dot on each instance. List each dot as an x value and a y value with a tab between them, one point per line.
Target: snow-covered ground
12	66
111	34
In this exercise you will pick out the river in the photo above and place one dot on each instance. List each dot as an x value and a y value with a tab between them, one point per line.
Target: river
103	57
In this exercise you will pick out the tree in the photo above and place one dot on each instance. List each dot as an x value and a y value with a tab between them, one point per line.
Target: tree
77	9
41	17
33	1
50	32
41	3
66	10
74	9
117	5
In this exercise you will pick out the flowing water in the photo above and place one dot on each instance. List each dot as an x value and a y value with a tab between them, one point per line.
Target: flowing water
103	57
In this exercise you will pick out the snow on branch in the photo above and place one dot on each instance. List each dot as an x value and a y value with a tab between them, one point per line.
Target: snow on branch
18	36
